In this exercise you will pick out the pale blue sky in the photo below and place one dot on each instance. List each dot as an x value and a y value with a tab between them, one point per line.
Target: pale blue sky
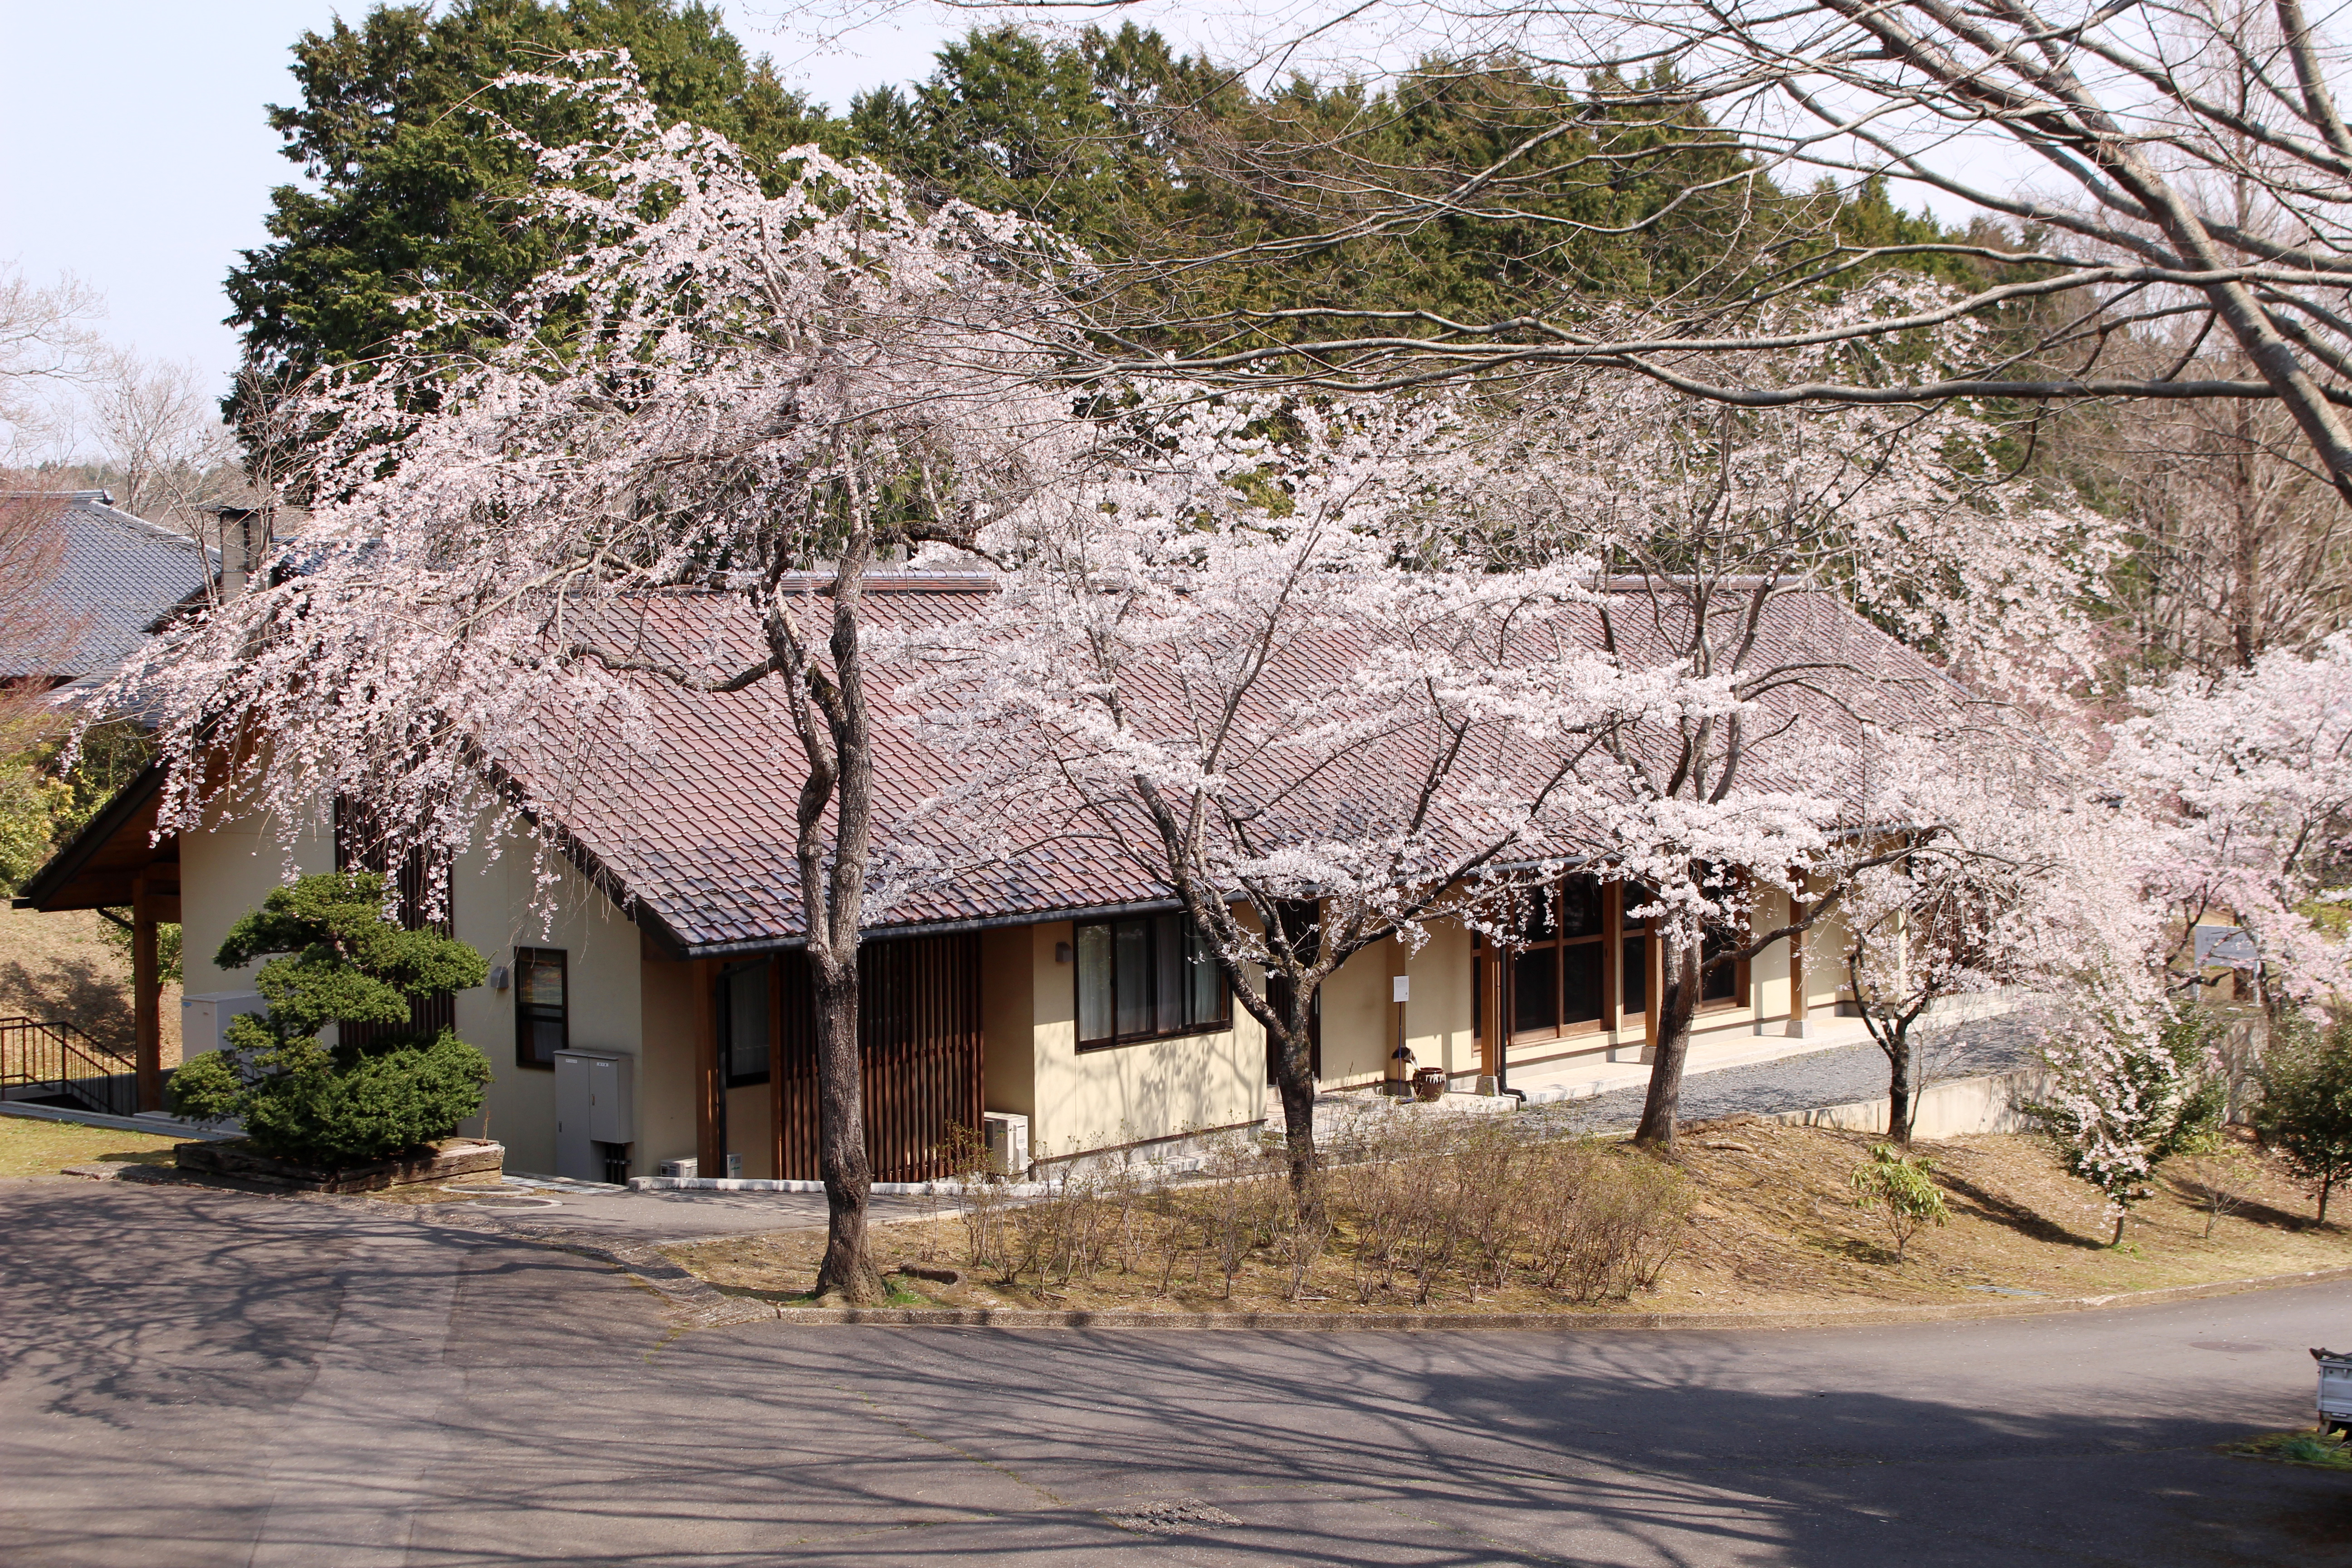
138	156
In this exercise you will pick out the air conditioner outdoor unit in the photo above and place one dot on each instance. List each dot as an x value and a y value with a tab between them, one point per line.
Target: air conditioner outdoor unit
682	1167
1005	1134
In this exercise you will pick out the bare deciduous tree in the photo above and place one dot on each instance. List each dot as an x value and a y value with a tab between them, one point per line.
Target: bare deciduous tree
155	428
2149	164
45	343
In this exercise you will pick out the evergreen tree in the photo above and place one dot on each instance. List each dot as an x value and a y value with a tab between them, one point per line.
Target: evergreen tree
402	138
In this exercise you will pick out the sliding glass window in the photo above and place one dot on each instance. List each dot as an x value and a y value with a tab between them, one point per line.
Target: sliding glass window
1146	979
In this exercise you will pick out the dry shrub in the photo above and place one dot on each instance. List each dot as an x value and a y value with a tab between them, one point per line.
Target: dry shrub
1413	1204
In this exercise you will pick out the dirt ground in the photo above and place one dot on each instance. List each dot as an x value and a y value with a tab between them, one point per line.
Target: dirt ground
1775	1229
59	966
38	1148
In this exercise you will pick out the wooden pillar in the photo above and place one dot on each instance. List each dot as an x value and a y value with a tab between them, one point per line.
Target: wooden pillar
146	994
1654	956
1800	1023
709	1073
1490	1012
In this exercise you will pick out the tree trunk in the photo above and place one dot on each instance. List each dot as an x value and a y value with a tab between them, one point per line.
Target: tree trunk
1294	1075
848	1269
2325	1183
2118	1239
1677	1004
1899	1096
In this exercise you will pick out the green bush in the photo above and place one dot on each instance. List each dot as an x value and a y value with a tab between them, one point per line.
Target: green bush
1901	1192
339	959
2306	1111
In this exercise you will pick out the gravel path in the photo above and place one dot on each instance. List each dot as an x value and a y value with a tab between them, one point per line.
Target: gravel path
1823	1077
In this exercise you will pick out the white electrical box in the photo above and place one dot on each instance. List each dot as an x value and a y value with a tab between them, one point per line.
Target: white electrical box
1005	1134
595	1103
687	1168
204	1019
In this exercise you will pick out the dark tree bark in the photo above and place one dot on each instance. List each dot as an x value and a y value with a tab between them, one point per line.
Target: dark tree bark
1900	1097
834	731
1678	967
849	1268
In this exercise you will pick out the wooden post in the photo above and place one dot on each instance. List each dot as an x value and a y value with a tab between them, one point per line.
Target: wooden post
709	1073
1800	1024
1654	956
146	995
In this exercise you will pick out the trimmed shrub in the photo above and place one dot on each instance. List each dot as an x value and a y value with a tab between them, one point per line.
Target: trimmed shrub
339	958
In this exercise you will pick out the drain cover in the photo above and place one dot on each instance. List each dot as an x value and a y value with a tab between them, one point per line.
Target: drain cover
1171	1516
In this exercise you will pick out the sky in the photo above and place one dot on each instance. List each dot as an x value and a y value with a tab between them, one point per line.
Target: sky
139	159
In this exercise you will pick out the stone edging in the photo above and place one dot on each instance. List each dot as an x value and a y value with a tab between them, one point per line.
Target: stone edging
1295	1322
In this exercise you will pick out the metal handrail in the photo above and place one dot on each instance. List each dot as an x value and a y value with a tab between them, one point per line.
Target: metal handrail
57	1057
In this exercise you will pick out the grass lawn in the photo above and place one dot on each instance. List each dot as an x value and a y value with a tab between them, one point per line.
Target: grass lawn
1774	1228
39	1148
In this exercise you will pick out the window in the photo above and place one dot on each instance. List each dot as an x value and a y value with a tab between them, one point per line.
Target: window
743	1022
1724	982
1560	965
1146	979
542	1017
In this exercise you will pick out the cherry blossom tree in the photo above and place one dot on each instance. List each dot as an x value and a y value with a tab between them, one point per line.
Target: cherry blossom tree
1231	669
1726	545
2014	868
722	391
2246	780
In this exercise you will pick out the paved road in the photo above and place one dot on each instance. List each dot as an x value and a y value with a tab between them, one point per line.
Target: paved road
196	1377
1836	1076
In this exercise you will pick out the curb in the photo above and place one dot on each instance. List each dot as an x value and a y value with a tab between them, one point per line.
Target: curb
878	1189
157	1123
1389	1323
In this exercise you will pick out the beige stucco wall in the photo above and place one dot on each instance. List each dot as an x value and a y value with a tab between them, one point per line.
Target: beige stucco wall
665	1128
1359	1017
1129	1094
491	901
227	870
1009	1018
1437	1015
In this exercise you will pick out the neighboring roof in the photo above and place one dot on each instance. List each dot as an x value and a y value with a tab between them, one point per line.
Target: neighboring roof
121	574
697	840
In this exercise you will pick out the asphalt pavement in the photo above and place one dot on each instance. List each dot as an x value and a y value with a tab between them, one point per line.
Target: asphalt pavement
198	1377
1836	1076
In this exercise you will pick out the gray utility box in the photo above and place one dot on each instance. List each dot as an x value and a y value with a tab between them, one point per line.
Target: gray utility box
596	1112
204	1019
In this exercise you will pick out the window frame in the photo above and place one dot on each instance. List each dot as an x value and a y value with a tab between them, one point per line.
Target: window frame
1152	967
525	1016
1609	939
1617	932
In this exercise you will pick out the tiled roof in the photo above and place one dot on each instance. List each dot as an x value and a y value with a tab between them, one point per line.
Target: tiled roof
699	836
120	576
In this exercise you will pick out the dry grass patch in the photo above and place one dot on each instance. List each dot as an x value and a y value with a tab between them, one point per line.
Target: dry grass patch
60	966
1763	1219
43	1148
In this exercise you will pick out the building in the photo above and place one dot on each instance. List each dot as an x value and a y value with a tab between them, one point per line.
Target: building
1059	991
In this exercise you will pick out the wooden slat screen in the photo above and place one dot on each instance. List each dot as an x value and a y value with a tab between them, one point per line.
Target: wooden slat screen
360	847
918	1048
